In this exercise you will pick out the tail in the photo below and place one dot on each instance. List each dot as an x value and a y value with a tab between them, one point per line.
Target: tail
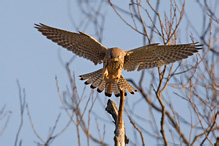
97	81
116	86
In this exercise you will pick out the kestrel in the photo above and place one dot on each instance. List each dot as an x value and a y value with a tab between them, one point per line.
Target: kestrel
115	59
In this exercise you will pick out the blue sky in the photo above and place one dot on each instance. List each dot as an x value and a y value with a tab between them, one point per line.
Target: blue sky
28	56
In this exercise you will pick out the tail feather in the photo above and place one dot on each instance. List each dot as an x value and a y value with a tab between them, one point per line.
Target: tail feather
109	89
101	87
97	81
116	89
91	75
126	85
93	79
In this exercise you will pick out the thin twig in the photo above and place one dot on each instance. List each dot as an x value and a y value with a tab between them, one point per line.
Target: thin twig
22	100
140	132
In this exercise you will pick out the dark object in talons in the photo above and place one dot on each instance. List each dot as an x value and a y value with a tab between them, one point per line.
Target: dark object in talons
107	94
125	94
92	87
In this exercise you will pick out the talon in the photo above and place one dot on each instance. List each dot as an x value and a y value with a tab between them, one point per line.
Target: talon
117	78
106	76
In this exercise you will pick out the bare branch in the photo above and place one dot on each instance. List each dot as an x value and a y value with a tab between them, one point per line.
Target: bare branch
120	138
22	99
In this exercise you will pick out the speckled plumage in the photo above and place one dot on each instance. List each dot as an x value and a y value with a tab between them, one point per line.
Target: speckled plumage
115	59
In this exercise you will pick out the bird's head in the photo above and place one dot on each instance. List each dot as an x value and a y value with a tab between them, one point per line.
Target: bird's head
116	54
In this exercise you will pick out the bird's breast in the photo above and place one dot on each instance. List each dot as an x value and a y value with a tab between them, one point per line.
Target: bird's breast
113	67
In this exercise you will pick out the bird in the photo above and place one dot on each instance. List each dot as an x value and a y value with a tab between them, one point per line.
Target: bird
114	59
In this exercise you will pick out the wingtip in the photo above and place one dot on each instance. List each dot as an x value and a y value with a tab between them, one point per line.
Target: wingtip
196	45
37	26
40	25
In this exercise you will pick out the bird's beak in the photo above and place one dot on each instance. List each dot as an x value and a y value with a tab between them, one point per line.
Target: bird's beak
115	59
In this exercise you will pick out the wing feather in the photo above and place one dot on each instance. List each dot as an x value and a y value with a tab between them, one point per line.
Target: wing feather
80	43
155	55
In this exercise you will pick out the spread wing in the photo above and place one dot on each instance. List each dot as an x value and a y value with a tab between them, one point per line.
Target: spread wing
80	43
155	55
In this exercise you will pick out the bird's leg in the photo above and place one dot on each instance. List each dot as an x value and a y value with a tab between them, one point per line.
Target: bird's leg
105	75
118	74
109	75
